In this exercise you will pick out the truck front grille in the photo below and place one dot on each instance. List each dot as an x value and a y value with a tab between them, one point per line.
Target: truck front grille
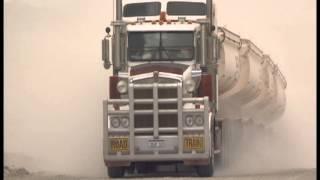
155	106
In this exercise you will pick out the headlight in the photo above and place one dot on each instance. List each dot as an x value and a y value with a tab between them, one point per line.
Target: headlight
122	87
199	121
115	123
124	122
189	121
189	85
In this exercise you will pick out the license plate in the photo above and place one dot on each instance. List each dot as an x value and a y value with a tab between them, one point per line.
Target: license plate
119	144
193	143
155	144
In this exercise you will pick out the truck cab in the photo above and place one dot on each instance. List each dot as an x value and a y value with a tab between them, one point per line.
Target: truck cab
163	88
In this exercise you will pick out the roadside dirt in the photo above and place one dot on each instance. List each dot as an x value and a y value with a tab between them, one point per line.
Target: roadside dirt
299	174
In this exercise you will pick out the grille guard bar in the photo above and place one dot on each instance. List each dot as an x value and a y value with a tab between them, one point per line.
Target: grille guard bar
180	129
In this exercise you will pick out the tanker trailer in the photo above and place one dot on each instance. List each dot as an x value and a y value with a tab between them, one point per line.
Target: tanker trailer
180	87
251	91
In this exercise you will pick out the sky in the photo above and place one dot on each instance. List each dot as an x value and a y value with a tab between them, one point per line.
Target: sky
54	80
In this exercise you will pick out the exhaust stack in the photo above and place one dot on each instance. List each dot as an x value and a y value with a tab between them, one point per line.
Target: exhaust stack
118	25
209	14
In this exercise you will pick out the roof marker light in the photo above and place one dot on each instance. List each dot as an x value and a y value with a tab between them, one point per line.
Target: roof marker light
181	19
141	19
163	16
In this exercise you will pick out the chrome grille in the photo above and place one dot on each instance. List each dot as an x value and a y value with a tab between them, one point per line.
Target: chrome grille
163	108
165	120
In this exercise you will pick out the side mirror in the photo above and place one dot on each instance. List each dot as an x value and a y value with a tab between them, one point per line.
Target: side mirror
106	53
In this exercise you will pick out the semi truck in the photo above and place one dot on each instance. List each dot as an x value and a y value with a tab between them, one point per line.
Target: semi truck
181	86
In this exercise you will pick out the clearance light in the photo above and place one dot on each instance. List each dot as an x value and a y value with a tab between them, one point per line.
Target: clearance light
163	17
141	19
181	19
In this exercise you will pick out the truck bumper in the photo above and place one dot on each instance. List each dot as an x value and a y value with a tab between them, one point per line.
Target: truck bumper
167	152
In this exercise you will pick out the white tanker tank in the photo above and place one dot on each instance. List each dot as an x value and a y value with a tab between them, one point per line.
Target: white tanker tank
251	86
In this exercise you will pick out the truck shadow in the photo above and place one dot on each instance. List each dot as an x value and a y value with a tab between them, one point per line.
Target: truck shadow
167	172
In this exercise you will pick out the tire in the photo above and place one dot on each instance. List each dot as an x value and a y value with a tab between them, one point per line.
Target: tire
231	136
218	160
145	168
206	171
116	172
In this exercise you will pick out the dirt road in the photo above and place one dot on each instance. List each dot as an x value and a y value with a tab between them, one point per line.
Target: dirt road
301	174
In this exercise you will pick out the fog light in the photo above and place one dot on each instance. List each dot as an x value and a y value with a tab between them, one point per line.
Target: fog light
115	123
189	121
199	121
124	122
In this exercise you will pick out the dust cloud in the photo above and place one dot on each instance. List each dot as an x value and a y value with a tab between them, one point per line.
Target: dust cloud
54	80
55	83
286	30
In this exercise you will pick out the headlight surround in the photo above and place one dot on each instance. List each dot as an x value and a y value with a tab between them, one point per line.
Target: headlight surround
189	121
115	122
122	87
189	85
199	120
124	122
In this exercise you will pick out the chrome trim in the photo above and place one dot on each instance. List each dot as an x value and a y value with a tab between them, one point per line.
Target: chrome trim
180	120
131	118
206	124
149	130
145	101
155	111
161	75
150	86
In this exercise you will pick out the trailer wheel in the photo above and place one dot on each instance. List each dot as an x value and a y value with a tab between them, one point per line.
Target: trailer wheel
206	171
116	172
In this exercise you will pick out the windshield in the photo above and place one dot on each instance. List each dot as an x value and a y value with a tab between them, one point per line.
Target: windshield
142	9
160	46
177	8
